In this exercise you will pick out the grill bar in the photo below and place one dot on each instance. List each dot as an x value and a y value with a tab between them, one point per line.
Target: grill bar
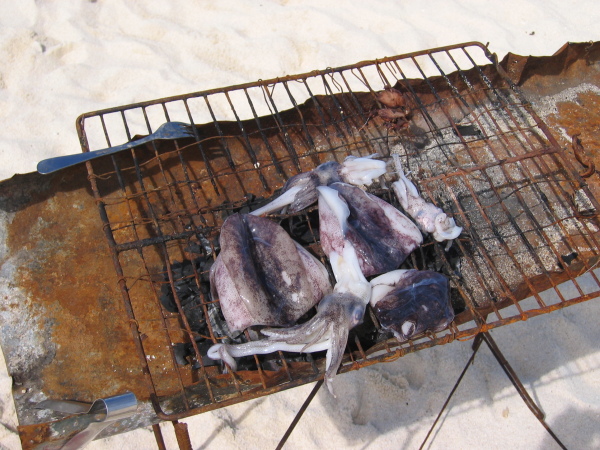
473	145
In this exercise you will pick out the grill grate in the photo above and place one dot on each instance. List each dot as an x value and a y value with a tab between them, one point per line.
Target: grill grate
473	146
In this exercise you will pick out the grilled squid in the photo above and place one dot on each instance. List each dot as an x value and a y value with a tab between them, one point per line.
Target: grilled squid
262	276
300	191
328	330
336	314
411	302
382	236
429	217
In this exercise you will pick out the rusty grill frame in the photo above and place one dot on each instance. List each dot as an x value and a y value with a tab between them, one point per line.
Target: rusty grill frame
141	231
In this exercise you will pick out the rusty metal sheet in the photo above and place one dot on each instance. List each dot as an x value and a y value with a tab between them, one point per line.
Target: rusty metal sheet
565	91
65	332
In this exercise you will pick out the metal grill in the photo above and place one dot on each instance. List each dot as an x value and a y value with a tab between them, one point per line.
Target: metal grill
473	146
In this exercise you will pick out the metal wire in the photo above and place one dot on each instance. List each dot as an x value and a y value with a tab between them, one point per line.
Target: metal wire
473	145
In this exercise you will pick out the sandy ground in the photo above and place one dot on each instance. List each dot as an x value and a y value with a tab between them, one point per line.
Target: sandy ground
61	59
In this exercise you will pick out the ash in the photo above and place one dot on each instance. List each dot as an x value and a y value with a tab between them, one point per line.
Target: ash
492	172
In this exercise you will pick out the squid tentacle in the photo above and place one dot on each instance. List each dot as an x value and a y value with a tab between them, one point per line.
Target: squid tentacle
362	170
279	203
328	330
323	331
300	191
227	352
337	345
297	334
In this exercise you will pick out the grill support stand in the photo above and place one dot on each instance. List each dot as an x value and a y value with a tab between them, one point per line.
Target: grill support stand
160	442
299	414
183	435
184	442
512	376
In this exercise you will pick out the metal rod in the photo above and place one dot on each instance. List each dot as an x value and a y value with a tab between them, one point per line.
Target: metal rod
324	129
249	149
514	379
476	345
281	125
182	434
160	442
184	164
224	145
307	135
337	104
299	415
264	138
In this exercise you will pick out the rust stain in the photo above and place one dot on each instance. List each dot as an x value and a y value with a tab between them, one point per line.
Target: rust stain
571	67
67	273
582	118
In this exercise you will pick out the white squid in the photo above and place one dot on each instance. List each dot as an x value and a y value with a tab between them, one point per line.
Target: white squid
300	191
328	330
429	217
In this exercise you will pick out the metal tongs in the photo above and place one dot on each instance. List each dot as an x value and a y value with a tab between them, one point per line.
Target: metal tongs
169	130
98	415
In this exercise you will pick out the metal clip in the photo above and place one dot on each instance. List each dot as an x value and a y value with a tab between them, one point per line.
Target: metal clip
98	415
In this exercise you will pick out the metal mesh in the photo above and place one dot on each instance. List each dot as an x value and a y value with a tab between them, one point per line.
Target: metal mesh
473	146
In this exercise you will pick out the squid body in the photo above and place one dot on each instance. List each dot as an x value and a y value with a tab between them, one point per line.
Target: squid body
382	236
411	302
262	276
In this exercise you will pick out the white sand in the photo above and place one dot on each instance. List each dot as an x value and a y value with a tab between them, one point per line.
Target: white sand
60	59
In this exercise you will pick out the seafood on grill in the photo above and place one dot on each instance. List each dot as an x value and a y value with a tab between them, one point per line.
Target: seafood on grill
411	302
328	330
430	218
395	111
300	191
362	235
262	276
336	314
391	98
382	236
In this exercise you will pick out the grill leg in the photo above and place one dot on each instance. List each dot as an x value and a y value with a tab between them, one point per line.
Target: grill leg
476	345
160	442
514	379
299	414
512	376
182	435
